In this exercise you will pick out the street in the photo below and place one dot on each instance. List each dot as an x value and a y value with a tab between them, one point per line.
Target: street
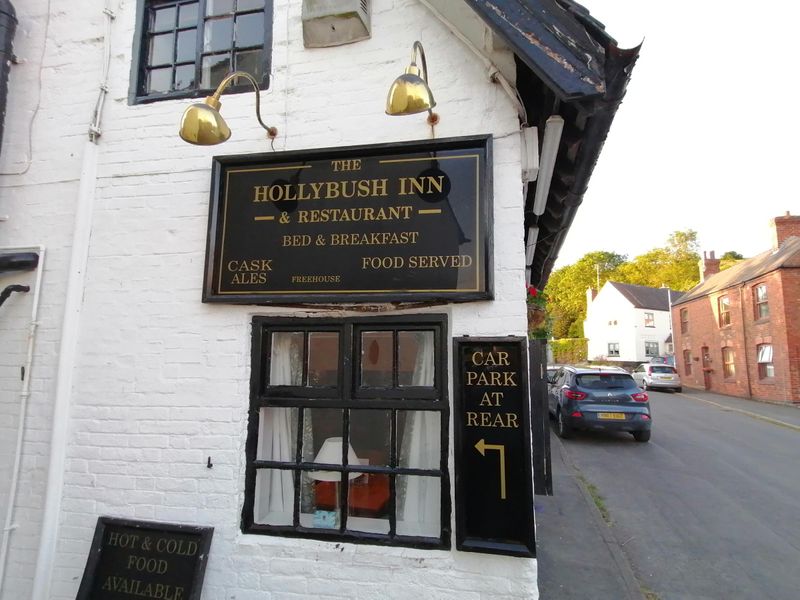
709	508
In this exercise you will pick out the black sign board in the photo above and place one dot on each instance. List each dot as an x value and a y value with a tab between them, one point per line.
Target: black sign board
390	223
141	559
494	489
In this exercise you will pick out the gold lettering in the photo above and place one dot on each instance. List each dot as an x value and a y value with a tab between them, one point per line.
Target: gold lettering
260	193
493	420
472	419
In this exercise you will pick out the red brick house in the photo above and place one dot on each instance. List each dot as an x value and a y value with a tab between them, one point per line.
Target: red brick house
738	331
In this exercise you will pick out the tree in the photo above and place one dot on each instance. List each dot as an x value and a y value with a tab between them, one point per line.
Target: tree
674	266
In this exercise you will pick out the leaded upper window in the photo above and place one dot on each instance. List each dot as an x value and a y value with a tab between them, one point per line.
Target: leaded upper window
186	47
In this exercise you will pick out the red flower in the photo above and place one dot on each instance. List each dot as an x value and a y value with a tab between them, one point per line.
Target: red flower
533	291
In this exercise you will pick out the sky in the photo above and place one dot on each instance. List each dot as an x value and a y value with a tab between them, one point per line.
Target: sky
708	134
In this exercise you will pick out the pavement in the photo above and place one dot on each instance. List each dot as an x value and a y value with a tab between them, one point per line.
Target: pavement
579	556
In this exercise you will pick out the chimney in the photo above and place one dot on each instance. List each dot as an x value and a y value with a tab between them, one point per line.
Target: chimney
591	294
709	265
784	227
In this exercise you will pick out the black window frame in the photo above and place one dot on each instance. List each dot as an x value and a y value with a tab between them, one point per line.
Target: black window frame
350	396
137	93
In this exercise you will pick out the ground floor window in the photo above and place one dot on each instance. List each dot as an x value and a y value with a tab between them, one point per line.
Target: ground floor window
347	434
651	348
728	367
766	369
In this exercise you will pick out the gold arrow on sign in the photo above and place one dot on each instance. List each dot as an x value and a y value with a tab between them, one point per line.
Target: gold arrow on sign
482	447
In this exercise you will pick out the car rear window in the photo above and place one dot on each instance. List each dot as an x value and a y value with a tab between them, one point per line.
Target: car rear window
605	380
662	369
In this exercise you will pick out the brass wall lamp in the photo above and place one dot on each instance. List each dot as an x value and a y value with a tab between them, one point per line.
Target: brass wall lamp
203	125
410	93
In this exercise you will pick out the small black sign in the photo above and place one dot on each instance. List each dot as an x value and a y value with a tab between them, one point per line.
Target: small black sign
389	223
494	489
141	559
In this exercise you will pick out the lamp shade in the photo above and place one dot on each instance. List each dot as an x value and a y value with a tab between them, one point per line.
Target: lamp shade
409	94
202	124
331	453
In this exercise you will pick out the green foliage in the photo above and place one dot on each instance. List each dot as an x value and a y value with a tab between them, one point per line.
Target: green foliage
569	351
674	265
731	255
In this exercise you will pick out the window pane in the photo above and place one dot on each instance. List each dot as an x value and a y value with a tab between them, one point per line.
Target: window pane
319	500
249	30
320	424
376	359
244	5
250	61
184	77
323	358
277	434
159	80
186	45
214	70
418	505
218	35
419	437
187	15
286	358
163	19
218	7
161	47
368	503
273	503
370	435
415	358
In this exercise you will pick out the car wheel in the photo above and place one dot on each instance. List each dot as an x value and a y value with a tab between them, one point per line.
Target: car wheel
641	436
563	430
644	385
678	390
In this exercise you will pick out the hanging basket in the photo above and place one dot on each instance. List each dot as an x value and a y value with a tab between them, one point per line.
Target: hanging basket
536	316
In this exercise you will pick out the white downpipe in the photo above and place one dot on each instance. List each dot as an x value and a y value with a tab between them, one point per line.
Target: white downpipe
73	303
9	524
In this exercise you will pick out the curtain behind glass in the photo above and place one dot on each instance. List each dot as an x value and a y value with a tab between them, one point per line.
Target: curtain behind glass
274	502
419	501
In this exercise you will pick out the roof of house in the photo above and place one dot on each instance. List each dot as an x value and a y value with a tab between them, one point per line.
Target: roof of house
642	296
786	256
567	65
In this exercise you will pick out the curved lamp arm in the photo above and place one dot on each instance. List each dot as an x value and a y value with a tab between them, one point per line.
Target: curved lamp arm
417	49
271	131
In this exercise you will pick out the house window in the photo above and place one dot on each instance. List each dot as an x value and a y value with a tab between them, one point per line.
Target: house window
728	368
684	320
649	319
613	349
347	430
766	369
186	47
724	304
761	303
687	362
651	348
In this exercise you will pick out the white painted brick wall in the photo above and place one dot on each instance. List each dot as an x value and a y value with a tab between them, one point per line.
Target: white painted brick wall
161	380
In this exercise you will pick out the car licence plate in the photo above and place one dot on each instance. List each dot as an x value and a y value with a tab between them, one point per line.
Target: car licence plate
612	416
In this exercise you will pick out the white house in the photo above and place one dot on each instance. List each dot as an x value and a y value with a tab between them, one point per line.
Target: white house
260	337
628	323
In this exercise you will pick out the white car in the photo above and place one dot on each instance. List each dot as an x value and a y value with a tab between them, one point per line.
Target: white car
651	376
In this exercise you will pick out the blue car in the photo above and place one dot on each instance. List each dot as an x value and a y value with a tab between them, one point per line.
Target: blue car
598	399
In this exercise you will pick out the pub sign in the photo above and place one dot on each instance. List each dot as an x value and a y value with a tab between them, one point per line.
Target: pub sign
389	223
494	487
